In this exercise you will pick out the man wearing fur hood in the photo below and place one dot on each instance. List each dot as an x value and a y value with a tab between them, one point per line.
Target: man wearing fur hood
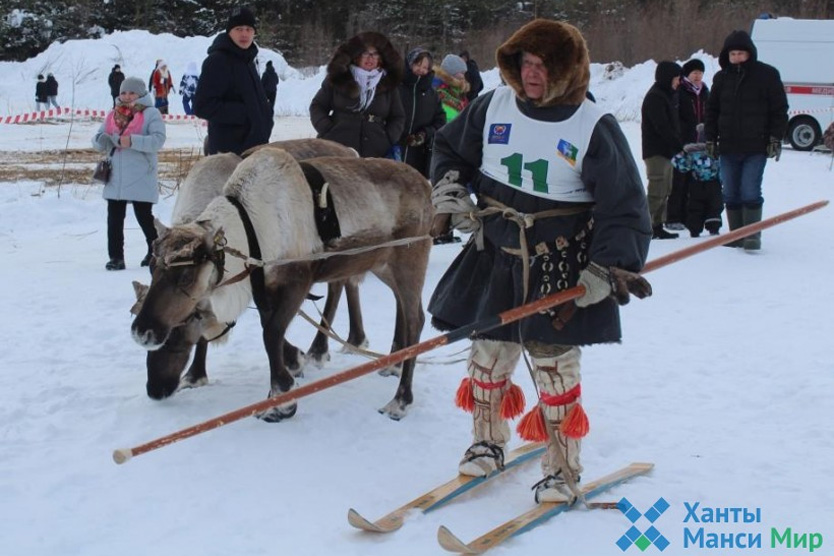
560	203
359	102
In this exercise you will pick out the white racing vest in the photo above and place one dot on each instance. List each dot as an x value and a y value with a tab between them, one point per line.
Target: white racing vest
540	158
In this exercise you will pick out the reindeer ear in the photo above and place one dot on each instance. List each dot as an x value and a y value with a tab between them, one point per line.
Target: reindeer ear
160	227
141	290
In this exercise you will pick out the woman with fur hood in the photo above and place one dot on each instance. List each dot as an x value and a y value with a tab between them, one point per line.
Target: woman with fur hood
133	133
560	203
359	102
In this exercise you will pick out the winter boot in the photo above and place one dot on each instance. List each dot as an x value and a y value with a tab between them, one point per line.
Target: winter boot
490	367
115	264
659	233
735	220
557	379
751	216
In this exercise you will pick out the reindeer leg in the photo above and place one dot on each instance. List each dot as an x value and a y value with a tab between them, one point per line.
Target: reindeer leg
318	351
397	343
356	336
275	319
407	284
196	375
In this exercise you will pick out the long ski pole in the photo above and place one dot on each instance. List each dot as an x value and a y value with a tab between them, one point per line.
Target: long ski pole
506	317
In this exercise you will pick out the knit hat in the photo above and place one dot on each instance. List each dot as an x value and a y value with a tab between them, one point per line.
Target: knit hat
453	64
414	53
693	65
134	85
240	17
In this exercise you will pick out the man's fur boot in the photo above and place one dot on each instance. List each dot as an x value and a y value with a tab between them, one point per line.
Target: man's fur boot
557	379
490	365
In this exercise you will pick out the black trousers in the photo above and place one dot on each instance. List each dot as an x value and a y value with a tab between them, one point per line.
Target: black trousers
116	211
676	205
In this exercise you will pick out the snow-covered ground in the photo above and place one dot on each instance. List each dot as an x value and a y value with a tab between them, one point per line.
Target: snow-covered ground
724	380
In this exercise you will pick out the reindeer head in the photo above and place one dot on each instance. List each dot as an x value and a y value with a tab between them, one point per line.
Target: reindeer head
189	264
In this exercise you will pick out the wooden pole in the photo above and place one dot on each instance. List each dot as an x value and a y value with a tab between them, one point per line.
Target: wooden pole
123	455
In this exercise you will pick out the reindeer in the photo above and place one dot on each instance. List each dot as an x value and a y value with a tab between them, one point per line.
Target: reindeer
377	202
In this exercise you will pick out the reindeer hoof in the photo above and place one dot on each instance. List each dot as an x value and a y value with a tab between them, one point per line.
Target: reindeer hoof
360	344
394	370
395	409
318	359
277	414
188	382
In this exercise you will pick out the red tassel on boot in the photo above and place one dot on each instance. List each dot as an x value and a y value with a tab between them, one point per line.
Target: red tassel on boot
531	427
512	403
575	424
464	398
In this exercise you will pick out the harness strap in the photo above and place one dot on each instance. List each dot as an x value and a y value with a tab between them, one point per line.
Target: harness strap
256	274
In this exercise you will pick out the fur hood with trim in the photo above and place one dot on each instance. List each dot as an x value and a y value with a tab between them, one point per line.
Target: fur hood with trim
564	52
460	84
339	75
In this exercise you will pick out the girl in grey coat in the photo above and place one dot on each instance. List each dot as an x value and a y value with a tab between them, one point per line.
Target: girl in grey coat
132	133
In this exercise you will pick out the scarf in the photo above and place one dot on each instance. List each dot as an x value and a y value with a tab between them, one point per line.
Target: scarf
690	86
125	119
367	81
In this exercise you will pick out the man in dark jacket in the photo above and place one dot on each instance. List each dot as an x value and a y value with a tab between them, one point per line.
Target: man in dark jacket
269	80
557	171
747	115
114	80
473	76
230	95
661	141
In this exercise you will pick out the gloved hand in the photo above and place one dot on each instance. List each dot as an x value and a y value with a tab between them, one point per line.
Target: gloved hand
625	283
416	139
597	282
774	148
452	201
712	149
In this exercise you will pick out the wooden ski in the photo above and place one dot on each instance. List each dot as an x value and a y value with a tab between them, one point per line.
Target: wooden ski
536	516
442	494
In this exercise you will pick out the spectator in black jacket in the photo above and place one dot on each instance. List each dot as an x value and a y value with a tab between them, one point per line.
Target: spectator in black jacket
661	141
40	93
230	95
269	80
747	115
692	101
52	90
473	76
423	112
114	80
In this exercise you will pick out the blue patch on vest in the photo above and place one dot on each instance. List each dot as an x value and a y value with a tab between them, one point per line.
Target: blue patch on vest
499	134
567	151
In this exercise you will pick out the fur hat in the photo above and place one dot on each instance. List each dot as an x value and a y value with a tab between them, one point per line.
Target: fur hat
134	85
564	53
453	64
240	17
693	65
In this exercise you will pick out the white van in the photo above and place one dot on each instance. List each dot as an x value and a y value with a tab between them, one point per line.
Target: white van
803	52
